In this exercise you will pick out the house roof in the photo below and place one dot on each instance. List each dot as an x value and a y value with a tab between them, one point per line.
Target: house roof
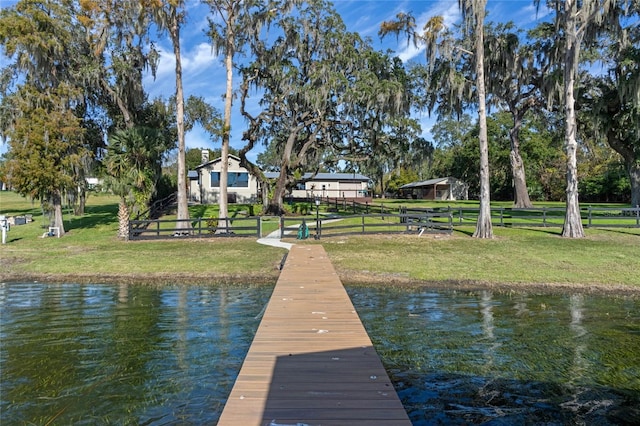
325	176
429	182
216	160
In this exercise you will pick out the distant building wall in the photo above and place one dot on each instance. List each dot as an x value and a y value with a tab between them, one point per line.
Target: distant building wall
204	185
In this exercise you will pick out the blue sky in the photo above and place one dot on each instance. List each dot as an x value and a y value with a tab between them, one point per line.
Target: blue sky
204	74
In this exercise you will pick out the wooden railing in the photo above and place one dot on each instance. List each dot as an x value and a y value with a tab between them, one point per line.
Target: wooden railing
320	227
199	228
409	220
592	217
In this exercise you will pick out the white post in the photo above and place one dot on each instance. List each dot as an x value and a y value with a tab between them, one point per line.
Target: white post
4	224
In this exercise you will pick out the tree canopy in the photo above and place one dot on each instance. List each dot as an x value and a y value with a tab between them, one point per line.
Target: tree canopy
558	100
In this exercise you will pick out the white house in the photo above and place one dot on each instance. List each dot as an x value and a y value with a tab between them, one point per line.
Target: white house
204	182
334	185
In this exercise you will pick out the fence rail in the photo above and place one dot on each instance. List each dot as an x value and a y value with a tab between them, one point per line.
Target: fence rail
198	228
592	217
437	219
370	224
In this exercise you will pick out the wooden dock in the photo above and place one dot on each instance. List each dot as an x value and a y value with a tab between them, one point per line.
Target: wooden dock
311	362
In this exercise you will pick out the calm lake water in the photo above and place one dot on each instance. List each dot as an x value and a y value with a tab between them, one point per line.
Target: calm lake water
483	358
108	354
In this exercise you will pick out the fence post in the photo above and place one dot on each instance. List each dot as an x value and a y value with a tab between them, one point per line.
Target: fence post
363	224
259	226
157	228
281	226
460	215
589	218
638	216
502	216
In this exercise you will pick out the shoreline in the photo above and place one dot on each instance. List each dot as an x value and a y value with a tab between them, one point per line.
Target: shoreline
348	278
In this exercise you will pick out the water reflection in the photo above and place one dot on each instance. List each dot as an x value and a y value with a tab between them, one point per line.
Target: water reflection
98	354
461	358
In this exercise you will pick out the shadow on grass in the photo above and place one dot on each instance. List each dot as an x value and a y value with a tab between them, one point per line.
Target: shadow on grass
95	216
624	231
35	211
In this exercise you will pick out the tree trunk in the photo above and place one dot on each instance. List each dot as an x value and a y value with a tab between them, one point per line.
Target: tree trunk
126	114
275	206
56	203
484	228
631	162
78	210
521	198
123	220
226	136
634	178
573	222
183	206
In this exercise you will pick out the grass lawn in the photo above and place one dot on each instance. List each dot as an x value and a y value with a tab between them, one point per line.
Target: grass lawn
90	252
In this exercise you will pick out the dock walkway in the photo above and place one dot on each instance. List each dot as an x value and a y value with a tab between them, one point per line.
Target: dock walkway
311	362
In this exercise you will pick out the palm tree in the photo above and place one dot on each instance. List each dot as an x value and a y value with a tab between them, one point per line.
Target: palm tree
168	16
241	21
473	12
579	21
132	164
442	71
226	39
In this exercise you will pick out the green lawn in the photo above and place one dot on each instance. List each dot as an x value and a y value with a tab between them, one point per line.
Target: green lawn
90	251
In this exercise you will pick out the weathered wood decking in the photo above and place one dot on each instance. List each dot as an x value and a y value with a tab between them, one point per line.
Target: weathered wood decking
311	361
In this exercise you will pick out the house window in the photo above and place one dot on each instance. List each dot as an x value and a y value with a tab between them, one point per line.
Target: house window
235	180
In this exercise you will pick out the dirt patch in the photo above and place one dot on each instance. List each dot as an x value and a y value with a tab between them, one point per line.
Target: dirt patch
352	278
358	278
144	279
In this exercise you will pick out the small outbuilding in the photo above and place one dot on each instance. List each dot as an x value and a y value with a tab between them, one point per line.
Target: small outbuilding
447	188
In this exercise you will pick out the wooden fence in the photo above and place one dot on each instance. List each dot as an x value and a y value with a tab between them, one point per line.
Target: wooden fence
592	217
379	219
433	222
200	228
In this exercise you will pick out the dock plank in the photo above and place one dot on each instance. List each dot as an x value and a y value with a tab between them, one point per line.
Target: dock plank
311	361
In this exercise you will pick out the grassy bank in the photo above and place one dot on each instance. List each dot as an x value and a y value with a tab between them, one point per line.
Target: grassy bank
90	251
516	257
